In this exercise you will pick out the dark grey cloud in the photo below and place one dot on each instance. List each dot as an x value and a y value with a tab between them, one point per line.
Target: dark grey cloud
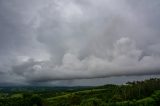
56	40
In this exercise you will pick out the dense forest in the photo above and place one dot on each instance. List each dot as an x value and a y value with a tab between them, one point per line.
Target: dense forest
137	93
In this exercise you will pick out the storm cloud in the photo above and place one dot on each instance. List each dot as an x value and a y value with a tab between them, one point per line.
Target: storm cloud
50	40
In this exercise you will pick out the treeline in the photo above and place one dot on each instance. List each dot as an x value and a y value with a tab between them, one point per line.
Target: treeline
136	90
26	100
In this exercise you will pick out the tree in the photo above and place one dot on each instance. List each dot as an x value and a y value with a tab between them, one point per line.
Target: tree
36	100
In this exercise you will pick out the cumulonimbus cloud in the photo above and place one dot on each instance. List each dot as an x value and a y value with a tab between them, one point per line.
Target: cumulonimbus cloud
59	39
123	60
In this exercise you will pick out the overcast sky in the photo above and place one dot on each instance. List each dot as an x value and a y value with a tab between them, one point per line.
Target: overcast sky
69	41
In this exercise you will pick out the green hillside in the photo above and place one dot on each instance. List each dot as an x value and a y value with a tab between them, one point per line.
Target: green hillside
137	93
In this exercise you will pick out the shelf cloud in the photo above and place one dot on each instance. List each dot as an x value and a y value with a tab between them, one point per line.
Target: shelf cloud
44	41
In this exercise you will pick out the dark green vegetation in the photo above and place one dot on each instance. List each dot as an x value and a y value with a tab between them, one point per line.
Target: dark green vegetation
137	93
